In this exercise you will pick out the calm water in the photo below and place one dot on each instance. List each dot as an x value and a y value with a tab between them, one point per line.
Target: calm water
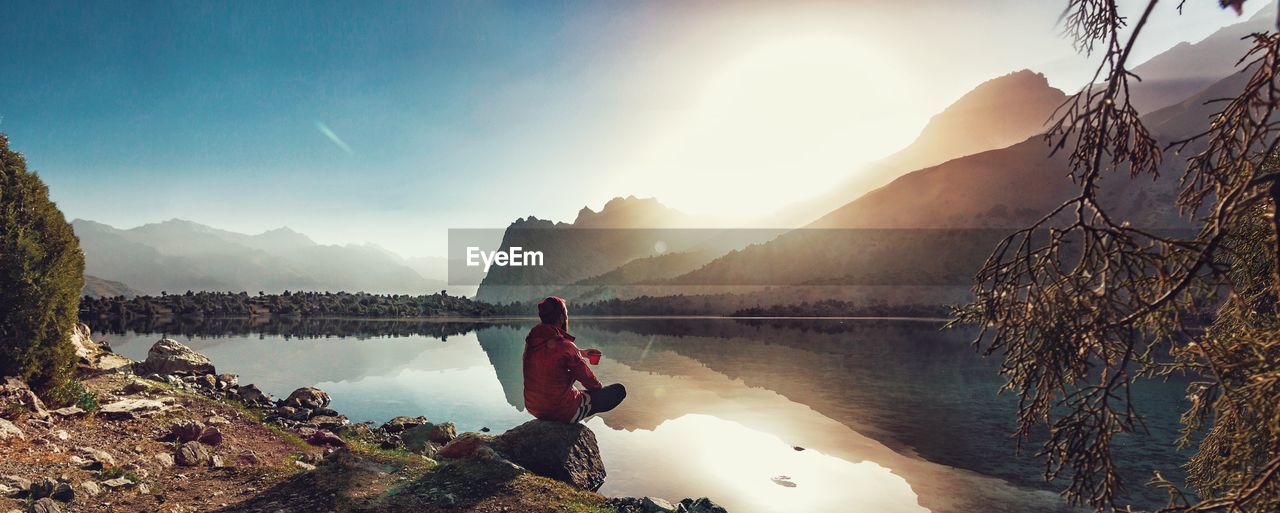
895	416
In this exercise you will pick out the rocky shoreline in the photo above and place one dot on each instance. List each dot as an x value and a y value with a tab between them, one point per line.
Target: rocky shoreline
172	434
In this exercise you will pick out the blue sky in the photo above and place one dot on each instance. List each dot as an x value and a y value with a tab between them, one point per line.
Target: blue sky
392	122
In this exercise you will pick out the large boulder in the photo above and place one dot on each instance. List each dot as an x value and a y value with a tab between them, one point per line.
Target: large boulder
566	452
168	356
310	398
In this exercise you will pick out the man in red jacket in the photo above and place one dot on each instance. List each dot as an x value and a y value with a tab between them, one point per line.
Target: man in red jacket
552	363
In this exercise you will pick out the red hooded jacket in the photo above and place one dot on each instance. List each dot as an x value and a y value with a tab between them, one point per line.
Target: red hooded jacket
551	364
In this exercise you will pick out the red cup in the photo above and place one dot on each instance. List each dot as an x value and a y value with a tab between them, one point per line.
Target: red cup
593	356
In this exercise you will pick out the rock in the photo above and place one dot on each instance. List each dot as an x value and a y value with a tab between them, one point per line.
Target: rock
207	381
10	431
63	492
325	438
228	381
90	488
97	457
42	487
253	396
126	409
293	413
85	346
62	435
328	422
216	461
118	483
566	452
416	439
193	454
70	411
165	460
304	465
45	505
248	458
703	505
210	436
400	424
17	398
464	446
185	431
137	386
217	420
311	398
168	356
656	505
18	482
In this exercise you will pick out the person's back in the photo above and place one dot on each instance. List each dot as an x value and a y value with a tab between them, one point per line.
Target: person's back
552	363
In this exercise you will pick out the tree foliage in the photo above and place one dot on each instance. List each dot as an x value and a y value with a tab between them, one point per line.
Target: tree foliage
41	274
1079	305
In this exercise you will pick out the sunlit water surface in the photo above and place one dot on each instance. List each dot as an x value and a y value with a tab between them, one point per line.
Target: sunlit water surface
893	416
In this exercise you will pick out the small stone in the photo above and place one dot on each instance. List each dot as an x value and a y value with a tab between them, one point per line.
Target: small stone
193	454
19	482
402	423
655	505
63	492
304	465
90	488
216	461
210	436
62	435
127	409
118	483
100	457
70	411
217	421
165	460
42	487
10	431
703	505
311	398
248	458
44	505
253	396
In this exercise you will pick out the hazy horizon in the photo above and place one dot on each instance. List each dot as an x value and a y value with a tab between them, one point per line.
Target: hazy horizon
391	123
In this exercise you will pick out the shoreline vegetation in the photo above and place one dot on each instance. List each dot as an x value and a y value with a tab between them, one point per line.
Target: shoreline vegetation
441	305
173	434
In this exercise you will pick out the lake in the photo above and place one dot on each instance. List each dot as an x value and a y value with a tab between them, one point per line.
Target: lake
893	415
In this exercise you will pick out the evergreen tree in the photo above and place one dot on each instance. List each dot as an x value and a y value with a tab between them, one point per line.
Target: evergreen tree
41	276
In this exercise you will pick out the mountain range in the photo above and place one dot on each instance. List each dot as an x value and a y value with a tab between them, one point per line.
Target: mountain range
178	255
985	170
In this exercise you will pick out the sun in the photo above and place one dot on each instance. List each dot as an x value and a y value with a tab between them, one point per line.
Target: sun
782	119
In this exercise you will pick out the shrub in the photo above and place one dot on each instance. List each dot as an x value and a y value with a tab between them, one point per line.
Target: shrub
41	276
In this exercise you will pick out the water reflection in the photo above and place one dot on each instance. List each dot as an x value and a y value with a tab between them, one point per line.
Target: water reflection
894	415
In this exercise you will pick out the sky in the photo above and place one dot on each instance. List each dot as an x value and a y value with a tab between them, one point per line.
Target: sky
391	122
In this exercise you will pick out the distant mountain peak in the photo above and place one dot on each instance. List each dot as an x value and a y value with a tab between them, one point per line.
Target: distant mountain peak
997	113
631	212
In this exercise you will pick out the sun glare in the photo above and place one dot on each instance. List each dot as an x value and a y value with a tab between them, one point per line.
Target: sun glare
780	117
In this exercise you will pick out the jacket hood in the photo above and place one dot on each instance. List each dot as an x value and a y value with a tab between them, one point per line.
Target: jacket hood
544	332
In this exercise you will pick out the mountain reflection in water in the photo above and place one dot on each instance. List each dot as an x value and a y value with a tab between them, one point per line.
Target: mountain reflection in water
893	415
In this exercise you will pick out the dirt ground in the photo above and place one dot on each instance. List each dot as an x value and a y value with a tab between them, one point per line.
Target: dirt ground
262	468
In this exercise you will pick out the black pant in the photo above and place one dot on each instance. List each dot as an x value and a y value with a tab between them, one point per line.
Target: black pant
606	398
